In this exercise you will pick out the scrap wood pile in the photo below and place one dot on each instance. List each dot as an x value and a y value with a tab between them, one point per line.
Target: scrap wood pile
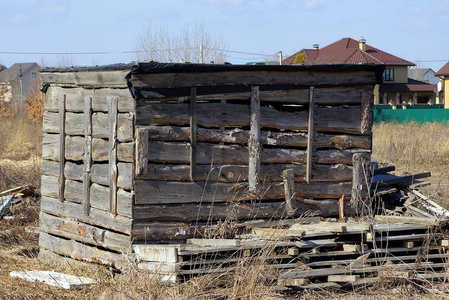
14	198
406	242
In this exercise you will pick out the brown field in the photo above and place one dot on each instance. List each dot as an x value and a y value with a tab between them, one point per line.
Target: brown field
411	148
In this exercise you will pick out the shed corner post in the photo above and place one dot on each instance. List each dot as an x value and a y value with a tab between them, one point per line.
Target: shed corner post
112	103
360	198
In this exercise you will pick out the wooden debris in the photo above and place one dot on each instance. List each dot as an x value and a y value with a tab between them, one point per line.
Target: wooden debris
61	280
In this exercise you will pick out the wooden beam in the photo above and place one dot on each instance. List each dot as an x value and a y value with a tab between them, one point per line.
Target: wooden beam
310	137
61	147
289	187
367	113
193	133
254	145
360	174
112	112
141	151
87	162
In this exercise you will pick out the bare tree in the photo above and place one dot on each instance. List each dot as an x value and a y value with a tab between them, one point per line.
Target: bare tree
192	44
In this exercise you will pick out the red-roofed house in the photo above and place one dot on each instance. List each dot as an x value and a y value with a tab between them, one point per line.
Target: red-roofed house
396	86
444	72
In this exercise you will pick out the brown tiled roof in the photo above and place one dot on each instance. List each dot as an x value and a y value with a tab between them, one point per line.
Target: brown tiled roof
444	71
411	86
346	51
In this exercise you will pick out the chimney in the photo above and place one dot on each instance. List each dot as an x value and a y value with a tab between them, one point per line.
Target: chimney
362	44
316	46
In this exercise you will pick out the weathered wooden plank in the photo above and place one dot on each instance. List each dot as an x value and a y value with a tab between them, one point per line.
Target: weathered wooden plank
324	95
76	97
250	77
239	173
112	113
233	154
90	79
289	190
193	132
310	135
367	112
62	119
100	127
96	217
227	114
87	162
240	136
141	151
360	178
100	199
81	251
164	192
85	233
74	191
254	146
75	149
239	211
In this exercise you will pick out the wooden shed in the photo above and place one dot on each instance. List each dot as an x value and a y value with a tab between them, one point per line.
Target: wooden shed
156	153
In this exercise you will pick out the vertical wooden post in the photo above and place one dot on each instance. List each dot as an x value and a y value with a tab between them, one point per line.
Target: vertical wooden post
87	153
254	143
142	140
367	113
112	114
62	104
193	133
289	188
310	136
360	175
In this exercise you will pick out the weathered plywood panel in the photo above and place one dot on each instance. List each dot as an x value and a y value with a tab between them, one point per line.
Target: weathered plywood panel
96	216
84	233
251	77
240	136
90	79
345	119
239	173
76	95
165	192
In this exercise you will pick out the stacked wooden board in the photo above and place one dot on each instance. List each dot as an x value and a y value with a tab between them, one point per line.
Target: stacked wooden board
311	256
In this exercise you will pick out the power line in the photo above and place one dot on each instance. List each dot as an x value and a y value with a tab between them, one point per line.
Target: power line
438	60
240	52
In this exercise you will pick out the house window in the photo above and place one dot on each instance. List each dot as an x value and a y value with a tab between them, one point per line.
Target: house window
389	74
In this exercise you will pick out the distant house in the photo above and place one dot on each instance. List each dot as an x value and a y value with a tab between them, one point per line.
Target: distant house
444	72
425	75
397	87
17	81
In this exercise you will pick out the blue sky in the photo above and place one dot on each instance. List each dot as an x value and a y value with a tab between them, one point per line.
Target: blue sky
415	30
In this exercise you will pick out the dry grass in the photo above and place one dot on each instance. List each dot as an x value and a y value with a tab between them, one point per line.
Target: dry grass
411	147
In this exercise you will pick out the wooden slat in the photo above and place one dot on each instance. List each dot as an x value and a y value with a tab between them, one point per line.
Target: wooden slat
164	192
61	148
359	181
239	173
228	114
271	138
310	135
112	112
289	190
367	113
87	154
254	146
193	133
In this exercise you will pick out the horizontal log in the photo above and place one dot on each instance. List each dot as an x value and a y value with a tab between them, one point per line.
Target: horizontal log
239	173
75	147
240	136
236	211
99	195
96	216
74	125
81	251
166	192
167	231
208	154
252	77
345	119
90	79
84	233
296	95
75	98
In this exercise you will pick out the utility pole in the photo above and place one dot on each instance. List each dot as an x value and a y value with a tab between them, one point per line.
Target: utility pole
280	57
201	54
